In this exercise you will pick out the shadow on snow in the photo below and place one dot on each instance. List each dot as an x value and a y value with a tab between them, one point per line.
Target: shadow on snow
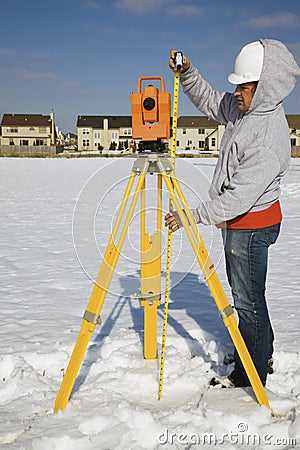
188	299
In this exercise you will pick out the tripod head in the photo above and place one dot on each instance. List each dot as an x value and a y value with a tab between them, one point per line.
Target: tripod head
151	110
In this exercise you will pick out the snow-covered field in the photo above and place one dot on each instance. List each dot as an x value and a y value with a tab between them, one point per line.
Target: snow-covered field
56	217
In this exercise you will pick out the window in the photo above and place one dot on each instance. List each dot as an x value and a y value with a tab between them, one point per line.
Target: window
24	142
184	131
201	144
293	142
12	130
127	132
85	131
114	135
40	142
201	131
42	130
213	142
97	134
85	142
11	142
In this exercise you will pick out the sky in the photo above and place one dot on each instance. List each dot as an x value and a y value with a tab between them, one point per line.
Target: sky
85	56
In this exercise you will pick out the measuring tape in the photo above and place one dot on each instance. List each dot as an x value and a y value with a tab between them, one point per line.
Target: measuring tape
175	117
178	64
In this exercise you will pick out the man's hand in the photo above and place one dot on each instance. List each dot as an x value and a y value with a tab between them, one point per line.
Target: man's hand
172	221
186	62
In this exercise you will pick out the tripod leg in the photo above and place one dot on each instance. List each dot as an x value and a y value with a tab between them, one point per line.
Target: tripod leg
151	273
213	282
91	315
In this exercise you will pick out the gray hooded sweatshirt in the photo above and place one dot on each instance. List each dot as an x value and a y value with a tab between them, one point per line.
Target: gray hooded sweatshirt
255	149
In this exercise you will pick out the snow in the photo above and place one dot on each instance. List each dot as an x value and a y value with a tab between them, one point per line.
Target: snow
56	218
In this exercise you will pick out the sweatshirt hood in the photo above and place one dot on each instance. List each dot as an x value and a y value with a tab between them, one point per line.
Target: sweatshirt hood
278	76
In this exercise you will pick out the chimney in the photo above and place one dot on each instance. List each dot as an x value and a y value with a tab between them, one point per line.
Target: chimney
106	140
52	127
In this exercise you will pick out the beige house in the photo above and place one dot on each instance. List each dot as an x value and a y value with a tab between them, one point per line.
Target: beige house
194	133
294	126
198	133
28	130
104	132
28	135
203	133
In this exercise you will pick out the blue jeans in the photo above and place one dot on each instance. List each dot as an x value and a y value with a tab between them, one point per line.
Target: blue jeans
246	256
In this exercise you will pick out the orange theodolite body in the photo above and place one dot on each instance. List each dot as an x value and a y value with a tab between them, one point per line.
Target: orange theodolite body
150	109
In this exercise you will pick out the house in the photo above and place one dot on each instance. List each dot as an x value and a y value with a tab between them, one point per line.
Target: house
28	134
27	129
294	126
108	132
70	140
198	133
193	132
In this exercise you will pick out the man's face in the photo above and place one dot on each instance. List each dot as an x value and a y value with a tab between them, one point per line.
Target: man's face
244	94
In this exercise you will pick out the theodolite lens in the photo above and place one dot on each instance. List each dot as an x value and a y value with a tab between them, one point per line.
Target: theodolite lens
149	103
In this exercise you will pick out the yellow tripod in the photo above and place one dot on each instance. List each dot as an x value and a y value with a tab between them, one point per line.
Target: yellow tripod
150	272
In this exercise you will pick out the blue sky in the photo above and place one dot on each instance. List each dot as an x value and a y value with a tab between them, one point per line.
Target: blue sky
85	56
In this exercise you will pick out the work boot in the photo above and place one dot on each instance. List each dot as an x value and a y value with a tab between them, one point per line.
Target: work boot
222	382
229	359
270	366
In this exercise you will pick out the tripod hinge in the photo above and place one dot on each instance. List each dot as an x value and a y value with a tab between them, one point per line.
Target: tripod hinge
152	163
150	298
226	312
92	318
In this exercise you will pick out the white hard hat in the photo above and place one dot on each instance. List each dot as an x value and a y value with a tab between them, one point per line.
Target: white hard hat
248	64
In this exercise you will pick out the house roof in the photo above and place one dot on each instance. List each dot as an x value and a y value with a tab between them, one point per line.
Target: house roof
197	122
293	121
25	120
97	121
125	121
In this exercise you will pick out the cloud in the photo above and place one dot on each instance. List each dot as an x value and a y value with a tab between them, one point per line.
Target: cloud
143	6
90	27
39	59
6	51
170	7
278	19
186	11
109	30
92	5
32	75
70	84
41	56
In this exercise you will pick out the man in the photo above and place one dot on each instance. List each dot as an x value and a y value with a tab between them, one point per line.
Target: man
244	193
